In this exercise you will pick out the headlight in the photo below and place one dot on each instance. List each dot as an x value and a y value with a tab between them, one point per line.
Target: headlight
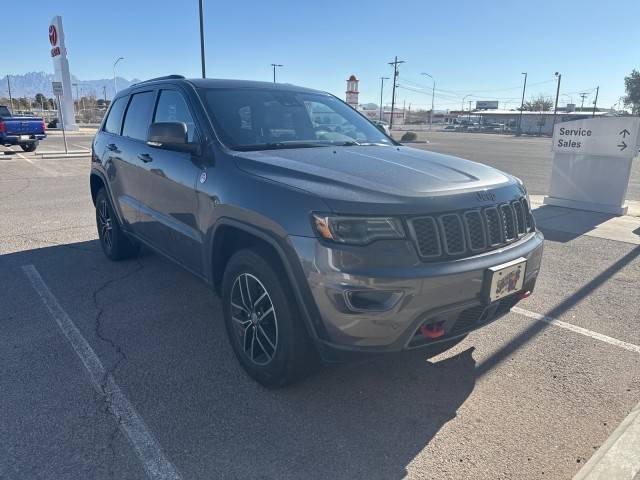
357	230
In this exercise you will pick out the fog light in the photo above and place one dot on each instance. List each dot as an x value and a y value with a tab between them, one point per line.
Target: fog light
371	300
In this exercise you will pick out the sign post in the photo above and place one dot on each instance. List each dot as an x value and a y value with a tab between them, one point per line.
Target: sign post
592	163
58	91
61	72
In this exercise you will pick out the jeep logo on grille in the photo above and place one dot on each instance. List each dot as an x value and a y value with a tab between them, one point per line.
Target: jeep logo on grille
486	196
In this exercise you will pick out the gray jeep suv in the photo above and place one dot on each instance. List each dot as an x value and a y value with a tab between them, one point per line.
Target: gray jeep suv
324	237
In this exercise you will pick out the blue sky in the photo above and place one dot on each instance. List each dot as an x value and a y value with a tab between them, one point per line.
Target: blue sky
470	47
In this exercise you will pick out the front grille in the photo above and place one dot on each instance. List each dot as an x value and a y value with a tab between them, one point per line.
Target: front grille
465	233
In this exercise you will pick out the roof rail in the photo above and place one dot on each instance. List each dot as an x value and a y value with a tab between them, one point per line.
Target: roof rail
167	77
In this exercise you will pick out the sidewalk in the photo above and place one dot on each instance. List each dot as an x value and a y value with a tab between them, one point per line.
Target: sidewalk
593	224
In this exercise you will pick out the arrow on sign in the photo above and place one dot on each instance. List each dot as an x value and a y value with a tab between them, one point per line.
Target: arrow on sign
622	145
624	133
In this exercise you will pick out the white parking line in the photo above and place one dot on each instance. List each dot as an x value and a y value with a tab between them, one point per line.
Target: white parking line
574	328
147	448
81	146
44	169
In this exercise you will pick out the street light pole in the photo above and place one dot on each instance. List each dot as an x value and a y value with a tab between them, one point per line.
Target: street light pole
555	108
115	84
433	94
202	40
524	88
382	79
595	102
274	65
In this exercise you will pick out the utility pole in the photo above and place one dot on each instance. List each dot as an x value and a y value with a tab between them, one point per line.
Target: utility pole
274	65
204	75
395	64
582	95
595	101
524	88
555	108
469	111
10	98
104	93
382	79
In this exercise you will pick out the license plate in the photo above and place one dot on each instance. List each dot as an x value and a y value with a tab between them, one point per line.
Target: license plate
24	138
506	279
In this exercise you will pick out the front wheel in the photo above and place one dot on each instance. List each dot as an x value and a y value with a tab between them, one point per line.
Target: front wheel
29	147
263	324
115	244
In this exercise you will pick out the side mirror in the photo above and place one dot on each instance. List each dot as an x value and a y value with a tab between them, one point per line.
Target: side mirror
171	136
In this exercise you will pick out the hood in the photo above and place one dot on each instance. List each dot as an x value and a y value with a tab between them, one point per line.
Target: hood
349	178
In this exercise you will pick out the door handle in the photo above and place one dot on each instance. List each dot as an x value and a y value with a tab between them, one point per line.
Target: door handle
112	147
145	157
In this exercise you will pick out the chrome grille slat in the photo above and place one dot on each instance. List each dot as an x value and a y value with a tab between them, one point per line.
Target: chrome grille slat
468	232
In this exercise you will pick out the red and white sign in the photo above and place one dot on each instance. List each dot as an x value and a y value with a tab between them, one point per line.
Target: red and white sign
53	35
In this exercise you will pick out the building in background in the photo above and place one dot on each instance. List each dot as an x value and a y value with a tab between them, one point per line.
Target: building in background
352	91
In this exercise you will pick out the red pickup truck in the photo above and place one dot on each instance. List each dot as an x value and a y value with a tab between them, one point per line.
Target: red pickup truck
24	131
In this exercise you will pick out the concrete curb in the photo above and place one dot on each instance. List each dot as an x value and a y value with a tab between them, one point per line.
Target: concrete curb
619	457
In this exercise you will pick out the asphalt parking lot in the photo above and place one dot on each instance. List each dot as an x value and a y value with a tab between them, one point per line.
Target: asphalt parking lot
526	397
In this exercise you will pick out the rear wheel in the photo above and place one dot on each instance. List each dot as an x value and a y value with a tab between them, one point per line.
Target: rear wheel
29	147
115	244
262	321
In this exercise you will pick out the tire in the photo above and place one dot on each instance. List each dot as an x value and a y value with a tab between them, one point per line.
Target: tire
115	244
29	147
263	324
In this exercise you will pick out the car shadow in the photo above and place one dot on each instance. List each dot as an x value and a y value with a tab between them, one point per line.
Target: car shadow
562	224
367	419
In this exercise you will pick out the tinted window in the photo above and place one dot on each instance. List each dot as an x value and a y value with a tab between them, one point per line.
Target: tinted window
114	120
254	119
138	117
173	108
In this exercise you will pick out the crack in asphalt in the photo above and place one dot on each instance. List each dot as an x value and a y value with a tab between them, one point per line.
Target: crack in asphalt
121	357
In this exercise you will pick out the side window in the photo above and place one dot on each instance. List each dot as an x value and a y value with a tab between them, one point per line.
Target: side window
138	116
114	120
173	108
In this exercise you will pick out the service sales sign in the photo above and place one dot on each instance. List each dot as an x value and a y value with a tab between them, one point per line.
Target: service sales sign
606	136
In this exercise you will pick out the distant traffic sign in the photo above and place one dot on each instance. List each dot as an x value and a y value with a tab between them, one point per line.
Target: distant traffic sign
609	136
57	88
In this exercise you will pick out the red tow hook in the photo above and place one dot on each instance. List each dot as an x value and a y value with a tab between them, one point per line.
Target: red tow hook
432	331
523	295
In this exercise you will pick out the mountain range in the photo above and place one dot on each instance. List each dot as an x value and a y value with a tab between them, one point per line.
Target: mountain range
29	84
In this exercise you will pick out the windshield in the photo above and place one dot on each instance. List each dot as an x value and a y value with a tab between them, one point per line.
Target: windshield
262	119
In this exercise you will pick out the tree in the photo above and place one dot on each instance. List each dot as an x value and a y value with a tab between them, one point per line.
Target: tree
632	87
538	104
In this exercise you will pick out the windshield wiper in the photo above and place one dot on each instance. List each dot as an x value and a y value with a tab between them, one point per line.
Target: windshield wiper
279	146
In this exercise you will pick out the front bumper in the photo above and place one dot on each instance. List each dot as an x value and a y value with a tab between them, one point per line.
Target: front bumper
406	292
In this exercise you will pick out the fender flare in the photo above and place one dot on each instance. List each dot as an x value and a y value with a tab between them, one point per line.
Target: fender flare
292	268
114	205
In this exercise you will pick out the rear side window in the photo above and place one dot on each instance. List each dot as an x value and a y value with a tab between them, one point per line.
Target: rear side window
173	108
138	116
114	120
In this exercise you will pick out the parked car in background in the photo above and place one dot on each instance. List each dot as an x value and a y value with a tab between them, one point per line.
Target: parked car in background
26	131
449	128
321	244
383	126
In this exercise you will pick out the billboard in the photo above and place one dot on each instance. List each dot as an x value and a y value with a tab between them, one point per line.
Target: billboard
486	105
